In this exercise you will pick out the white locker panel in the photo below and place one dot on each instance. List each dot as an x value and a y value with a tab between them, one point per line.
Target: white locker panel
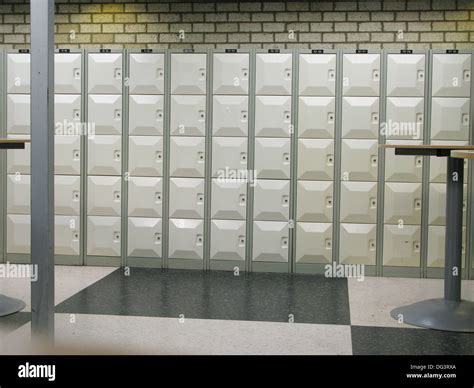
188	115
317	75
229	199
105	73
187	156
18	194
67	195
18	161
314	243
227	240
144	237
436	246
402	203
451	75
230	116
270	241
231	73
66	235
273	116
357	244
145	155
145	115
401	246
358	202
273	74
438	165
18	113
359	159
67	155
405	75
18	73
67	114
403	169
404	118
228	154
104	196
360	117
188	73
103	236
361	74
186	198
105	111
186	239
18	233
272	158
272	200
147	73
145	197
67	73
450	119
104	155
437	209
315	159
316	117
314	201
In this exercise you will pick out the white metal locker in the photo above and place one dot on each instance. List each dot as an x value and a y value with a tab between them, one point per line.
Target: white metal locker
451	75
273	74
437	210
228	154
104	196
402	203
231	73
147	73
67	195
145	197
272	158
316	117
403	169
104	155
67	73
357	244
67	114
405	75
188	115
186	239
315	159
146	115
188	73
404	118
359	160
450	119
18	233
272	200
18	194
105	111
401	246
438	165
18	161
436	246
317	75
144	237
228	240
187	156
103	236
358	202
186	198
314	201
361	74
273	116
146	155
360	117
230	116
18	73
67	155
105	73
18	113
270	241
229	199
314	243
66	235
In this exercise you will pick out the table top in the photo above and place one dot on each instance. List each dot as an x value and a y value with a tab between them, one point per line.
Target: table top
429	146
462	154
14	141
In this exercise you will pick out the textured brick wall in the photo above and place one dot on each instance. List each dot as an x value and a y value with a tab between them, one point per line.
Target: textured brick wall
273	24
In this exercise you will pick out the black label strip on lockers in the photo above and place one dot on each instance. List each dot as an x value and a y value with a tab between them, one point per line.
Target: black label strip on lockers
406	51
273	51
230	50
105	51
145	51
452	51
362	51
23	51
318	51
188	50
64	51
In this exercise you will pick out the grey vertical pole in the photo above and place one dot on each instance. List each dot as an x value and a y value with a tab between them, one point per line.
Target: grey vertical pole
42	167
453	245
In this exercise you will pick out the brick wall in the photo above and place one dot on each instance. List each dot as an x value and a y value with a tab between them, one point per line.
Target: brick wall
272	24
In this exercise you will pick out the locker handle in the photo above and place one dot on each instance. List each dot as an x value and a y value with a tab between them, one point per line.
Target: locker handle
202	116
417	204
75	196
330	160
202	73
200	199
330	117
75	236
117	155
329	202
287	116
76	154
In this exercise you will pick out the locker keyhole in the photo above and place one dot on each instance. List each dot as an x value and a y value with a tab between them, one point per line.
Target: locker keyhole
330	117
202	73
419	117
201	156
118	115
201	115
157	197
329	202
117	196
77	74
116	236
465	119
373	203
75	236
371	245
243	157
421	75
158	238
241	241
75	196
118	73
159	115
328	243
375	118
286	200
77	114
330	160
332	74
242	199
160	73
200	199
376	75
117	155
199	239
287	73
284	242
159	156
245	73
287	116
418	161
286	158
417	204
416	246
244	116
75	154
467	75
373	160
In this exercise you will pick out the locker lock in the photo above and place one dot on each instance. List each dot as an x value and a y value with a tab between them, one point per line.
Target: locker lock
201	156
244	115
75	235
116	195
416	246
332	74
330	117
287	73
201	115
160	73
373	203
243	157
421	75
157	197
371	245
287	116
375	118
76	154
118	115
242	198
467	75
241	240
159	115
286	158
199	239
116	236
464	206
117	155
77	114
200	198
373	160
286	200
284	242
75	195
419	117
77	74
417	204
330	160
465	118
376	75
118	73
202	73
159	156
245	73
418	161
328	243
158	238
329	202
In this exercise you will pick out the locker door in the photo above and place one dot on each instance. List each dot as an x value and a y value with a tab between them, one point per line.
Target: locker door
358	244
104	155
146	155
359	160
18	113
228	154
105	73
450	119
438	165
272	200
18	161
406	75
317	76
18	194
315	201
186	198
360	117
358	202
316	117
144	237
227	240
272	158
18	73
145	197
146	115
270	241
436	245
188	115
186	239
103	196
401	246
361	74
147	73
229	199
66	235
67	191
231	73
314	243
103	236
18	233
315	159
188	73
406	169
67	114
105	111
187	156
451	75
404	118
230	116
67	73
402	203
437	211
273	116
67	155
273	74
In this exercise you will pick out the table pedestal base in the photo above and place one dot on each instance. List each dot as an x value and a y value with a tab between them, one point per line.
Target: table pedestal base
10	305
438	314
